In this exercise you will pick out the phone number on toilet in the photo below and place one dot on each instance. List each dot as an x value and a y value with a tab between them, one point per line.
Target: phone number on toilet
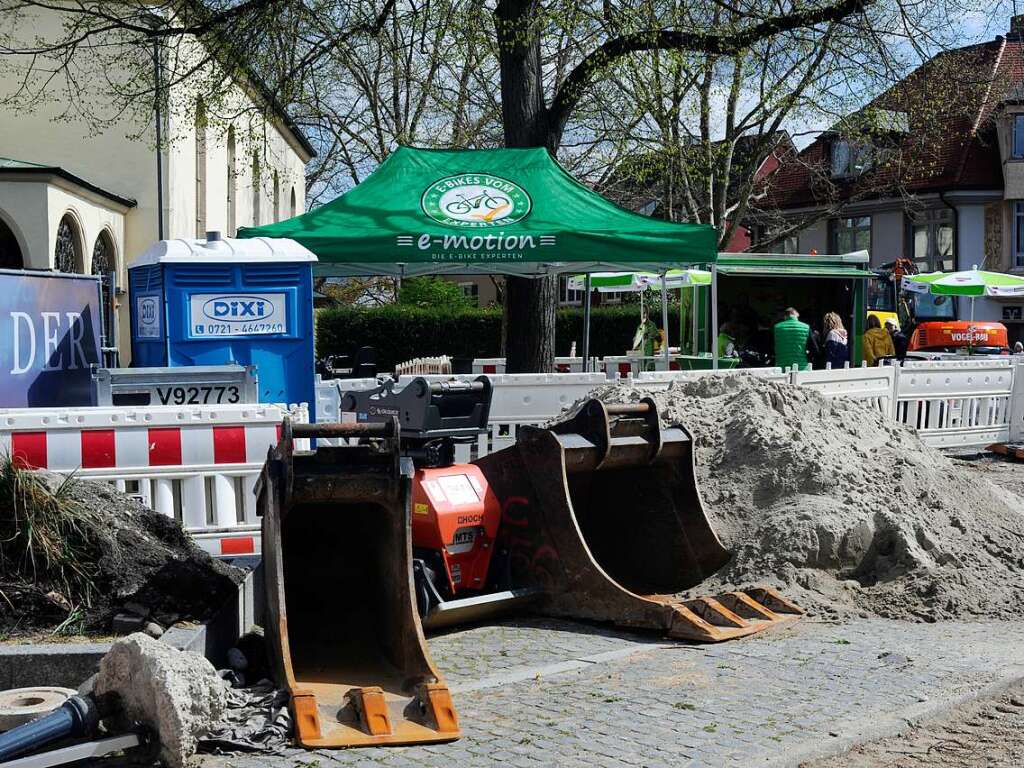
234	329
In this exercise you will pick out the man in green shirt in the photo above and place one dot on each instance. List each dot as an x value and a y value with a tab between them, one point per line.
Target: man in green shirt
794	342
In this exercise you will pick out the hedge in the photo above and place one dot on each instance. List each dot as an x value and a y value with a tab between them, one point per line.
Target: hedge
400	333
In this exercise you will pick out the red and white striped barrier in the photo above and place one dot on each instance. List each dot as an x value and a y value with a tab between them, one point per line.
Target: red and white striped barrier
198	464
496	365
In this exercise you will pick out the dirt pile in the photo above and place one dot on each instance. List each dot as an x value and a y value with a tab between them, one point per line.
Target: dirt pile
73	553
844	510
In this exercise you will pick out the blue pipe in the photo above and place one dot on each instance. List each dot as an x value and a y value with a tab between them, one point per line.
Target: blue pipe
77	716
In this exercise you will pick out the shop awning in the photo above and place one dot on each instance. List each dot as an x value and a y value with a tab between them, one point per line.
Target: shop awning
491	211
779	271
844	266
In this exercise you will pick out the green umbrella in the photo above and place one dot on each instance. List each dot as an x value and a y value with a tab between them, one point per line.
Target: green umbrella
971	283
615	282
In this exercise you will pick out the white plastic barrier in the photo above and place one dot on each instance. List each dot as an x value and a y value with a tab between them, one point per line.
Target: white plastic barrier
519	399
328	399
198	464
624	366
957	404
493	365
875	385
662	379
489	365
1016	416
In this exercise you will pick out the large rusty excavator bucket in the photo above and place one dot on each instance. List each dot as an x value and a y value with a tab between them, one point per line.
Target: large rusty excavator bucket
341	620
602	512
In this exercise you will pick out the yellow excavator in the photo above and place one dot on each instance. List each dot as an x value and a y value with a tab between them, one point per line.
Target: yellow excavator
596	518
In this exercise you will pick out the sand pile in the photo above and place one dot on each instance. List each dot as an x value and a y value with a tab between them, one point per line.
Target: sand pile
844	510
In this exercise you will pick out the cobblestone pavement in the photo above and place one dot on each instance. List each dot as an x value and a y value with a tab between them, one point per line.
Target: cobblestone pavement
548	693
988	732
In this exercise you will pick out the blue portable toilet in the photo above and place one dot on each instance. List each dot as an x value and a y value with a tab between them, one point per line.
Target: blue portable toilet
228	300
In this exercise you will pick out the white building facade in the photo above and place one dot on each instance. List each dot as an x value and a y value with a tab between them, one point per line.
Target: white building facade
79	184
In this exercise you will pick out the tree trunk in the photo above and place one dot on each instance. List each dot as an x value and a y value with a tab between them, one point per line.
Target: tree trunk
529	302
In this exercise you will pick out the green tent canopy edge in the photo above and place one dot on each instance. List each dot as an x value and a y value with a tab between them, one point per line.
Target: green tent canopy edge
484	211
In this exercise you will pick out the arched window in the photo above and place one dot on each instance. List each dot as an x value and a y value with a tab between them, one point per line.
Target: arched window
104	264
276	213
291	206
200	168
255	190
10	251
232	175
67	255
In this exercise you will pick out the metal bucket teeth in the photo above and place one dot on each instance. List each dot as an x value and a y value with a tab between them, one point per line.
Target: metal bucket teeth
730	615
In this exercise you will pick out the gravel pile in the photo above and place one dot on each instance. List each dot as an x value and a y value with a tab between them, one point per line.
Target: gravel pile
842	509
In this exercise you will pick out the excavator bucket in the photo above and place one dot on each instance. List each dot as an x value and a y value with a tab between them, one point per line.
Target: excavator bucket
342	626
602	513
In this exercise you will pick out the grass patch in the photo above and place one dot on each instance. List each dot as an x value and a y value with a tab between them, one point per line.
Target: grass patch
684	705
46	538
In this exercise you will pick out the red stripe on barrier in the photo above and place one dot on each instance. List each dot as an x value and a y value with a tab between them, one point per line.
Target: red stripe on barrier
625	369
164	446
244	545
229	445
279	433
490	369
98	448
28	450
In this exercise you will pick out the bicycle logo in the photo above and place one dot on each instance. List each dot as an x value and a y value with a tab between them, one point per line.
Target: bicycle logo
475	200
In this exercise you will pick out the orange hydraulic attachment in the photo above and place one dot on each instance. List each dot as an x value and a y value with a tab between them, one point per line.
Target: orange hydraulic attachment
455	513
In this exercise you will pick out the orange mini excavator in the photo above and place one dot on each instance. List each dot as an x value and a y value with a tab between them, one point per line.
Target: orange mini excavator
368	541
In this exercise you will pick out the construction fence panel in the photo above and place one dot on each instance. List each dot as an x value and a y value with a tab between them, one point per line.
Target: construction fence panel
197	464
496	365
624	366
328	400
523	399
957	404
663	379
1016	428
876	386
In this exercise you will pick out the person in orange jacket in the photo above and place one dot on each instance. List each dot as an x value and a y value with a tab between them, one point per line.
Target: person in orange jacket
877	343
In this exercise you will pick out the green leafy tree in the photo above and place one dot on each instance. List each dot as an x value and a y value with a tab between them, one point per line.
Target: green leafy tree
433	293
552	65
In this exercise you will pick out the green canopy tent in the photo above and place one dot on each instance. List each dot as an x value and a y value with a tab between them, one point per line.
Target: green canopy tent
485	211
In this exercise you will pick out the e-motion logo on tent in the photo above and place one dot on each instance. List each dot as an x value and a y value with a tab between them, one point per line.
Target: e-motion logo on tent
475	200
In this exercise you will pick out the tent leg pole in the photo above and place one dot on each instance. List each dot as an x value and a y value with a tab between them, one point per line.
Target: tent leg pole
664	318
586	326
713	331
693	321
